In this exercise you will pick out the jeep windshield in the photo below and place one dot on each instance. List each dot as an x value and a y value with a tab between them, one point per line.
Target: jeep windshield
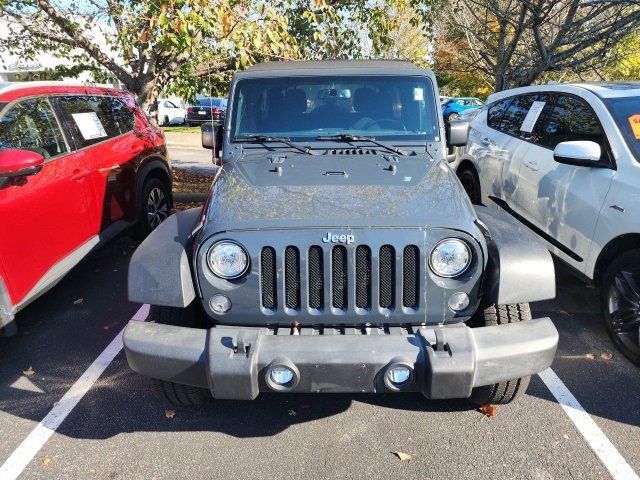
386	108
626	112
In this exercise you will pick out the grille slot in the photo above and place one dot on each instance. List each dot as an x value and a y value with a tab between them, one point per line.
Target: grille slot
268	278
292	277
363	277
387	276
316	278
410	276
339	277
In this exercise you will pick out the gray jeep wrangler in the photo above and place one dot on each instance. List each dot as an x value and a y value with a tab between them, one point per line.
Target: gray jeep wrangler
338	252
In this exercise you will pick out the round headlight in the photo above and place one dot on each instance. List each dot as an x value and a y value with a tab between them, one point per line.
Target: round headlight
227	260
450	258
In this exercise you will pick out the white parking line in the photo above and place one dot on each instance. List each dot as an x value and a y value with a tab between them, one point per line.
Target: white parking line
597	440
31	445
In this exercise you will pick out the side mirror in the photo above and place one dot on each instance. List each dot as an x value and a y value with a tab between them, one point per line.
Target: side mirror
579	153
212	138
457	133
16	163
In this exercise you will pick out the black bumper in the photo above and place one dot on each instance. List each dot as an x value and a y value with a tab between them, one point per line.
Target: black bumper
447	362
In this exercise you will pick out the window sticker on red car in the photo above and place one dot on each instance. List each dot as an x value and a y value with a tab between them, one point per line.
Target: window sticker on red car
89	125
532	117
634	120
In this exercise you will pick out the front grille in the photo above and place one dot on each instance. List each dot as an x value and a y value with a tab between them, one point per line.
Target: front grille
363	277
410	276
387	276
339	277
316	278
342	278
268	278
292	277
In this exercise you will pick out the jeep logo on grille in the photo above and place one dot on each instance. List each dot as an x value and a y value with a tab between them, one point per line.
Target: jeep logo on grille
329	238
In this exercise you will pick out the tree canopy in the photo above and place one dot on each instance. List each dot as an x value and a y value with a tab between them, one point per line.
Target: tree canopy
186	45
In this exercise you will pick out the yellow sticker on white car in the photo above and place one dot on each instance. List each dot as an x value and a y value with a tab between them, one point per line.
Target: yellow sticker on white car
635	125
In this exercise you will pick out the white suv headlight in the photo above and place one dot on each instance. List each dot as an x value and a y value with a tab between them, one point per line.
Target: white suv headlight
227	260
450	258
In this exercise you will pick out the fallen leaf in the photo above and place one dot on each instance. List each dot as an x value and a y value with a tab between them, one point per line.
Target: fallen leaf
591	286
46	461
565	436
405	457
105	327
29	371
606	356
305	406
488	410
292	413
78	301
169	413
565	313
590	356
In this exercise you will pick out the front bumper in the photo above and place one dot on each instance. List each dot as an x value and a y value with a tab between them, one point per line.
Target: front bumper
447	362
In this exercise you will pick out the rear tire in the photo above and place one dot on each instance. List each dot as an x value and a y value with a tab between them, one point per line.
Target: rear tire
452	117
154	207
510	390
176	393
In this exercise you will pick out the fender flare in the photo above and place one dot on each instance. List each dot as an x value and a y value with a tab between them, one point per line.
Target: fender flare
519	268
160	268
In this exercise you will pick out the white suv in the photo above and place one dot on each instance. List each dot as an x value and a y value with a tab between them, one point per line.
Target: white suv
564	160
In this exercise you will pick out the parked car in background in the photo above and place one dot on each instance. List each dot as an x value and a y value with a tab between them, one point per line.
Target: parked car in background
444	99
78	164
206	110
564	160
170	114
452	108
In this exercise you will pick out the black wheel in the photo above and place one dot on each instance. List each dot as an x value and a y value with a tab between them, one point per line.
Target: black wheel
620	290
155	206
510	390
176	393
471	183
453	116
165	121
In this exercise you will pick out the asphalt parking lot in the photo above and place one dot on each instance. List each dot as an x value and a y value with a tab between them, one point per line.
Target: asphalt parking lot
120	429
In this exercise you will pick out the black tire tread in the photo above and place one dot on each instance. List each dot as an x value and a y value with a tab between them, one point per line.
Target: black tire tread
175	393
509	390
141	229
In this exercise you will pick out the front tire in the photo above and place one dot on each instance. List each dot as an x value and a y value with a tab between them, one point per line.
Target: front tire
510	390
620	298
452	117
176	393
471	183
155	206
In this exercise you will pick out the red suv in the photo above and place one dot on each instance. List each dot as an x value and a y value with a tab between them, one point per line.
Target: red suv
78	164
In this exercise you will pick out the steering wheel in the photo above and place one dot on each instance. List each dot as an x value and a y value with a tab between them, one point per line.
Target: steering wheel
391	123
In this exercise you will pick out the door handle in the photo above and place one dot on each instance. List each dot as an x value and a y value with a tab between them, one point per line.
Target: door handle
486	142
532	164
79	175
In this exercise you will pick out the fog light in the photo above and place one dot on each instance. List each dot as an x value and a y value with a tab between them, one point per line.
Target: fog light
281	375
459	301
220	303
399	375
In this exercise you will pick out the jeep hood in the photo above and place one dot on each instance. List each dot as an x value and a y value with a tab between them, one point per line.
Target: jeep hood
337	191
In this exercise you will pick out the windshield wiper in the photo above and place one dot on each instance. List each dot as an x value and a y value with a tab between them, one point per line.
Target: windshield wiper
266	139
345	137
